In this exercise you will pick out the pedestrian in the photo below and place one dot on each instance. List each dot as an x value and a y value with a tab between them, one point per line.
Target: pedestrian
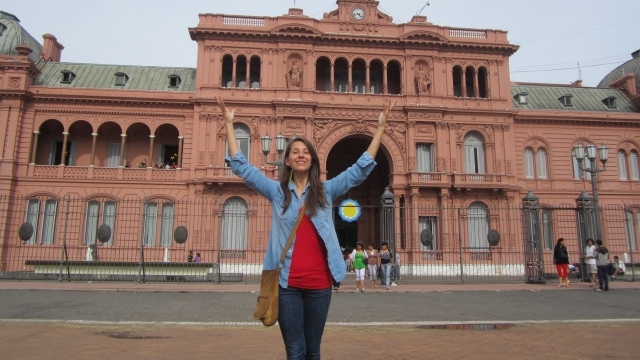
619	267
359	259
386	261
197	259
396	269
190	256
314	259
602	262
590	261
373	263
561	260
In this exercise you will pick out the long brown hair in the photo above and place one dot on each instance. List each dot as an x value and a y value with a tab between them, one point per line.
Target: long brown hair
315	199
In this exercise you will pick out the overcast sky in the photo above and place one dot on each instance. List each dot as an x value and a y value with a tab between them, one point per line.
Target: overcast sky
554	35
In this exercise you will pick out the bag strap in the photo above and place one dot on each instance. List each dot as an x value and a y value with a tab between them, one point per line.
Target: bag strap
293	232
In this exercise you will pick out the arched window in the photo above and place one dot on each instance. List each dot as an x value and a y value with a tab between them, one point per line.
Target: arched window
153	212
457	81
628	165
341	75
474	154
469	77
241	72
42	220
478	226
227	71
529	171
243	137
255	72
235	225
535	166
483	80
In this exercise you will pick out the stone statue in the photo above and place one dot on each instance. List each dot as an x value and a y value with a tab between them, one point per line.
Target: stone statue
293	75
423	81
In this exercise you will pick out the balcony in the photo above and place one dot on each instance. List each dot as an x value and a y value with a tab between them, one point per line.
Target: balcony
103	173
479	181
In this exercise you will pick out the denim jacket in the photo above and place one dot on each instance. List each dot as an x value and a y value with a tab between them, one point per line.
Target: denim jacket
281	224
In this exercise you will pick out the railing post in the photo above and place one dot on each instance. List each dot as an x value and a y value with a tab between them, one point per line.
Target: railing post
534	262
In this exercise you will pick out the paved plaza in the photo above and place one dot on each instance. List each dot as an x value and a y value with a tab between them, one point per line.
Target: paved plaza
122	320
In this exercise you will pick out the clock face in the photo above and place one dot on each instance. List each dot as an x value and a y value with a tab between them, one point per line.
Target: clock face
358	14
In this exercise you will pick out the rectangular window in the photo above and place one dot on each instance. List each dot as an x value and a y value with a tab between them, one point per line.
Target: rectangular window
113	156
33	211
424	158
91	222
150	224
109	218
622	165
528	164
633	166
428	225
542	163
49	221
166	231
55	153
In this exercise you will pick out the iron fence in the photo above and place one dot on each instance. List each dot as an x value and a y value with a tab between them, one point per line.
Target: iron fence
149	239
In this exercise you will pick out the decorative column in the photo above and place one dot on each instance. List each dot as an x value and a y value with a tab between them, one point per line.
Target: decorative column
93	148
385	84
350	78
151	141
368	80
34	147
180	144
123	138
532	240
63	157
247	80
233	74
333	81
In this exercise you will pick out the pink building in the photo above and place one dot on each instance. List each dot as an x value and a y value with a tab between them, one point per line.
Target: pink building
141	149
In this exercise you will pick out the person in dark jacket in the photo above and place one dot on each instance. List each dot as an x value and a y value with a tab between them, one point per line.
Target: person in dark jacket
561	259
602	262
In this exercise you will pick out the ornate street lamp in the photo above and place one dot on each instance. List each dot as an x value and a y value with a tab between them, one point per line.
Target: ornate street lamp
281	144
581	153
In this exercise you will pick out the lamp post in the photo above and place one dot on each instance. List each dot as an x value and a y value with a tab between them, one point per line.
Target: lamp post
581	153
281	144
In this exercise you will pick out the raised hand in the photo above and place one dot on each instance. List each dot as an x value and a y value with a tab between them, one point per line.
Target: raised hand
228	115
384	114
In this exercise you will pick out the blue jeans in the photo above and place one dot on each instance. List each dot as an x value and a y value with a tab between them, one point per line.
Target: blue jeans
603	278
301	317
386	273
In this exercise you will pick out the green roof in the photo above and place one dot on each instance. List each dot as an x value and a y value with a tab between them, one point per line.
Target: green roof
550	97
97	76
12	34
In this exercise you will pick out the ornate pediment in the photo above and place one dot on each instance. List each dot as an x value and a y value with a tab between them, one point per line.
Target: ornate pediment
426	36
295	29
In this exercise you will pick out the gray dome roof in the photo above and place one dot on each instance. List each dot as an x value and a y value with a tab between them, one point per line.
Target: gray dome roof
12	35
630	67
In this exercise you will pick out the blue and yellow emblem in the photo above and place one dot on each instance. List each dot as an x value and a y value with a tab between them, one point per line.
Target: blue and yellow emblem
349	210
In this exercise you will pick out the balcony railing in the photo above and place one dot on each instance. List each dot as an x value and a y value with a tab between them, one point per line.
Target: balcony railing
477	180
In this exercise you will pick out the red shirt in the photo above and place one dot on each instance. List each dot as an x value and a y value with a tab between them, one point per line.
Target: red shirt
309	268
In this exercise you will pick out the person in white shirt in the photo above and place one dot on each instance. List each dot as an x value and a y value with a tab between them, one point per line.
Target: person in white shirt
619	266
590	260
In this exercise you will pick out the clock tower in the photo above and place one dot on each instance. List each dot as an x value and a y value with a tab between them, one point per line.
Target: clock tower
358	11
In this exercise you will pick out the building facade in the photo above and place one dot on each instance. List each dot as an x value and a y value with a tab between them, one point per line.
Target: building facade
141	149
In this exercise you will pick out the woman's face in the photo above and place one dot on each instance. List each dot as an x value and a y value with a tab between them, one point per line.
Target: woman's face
358	247
299	158
590	242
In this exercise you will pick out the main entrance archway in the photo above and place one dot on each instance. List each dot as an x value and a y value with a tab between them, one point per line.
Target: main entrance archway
366	229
